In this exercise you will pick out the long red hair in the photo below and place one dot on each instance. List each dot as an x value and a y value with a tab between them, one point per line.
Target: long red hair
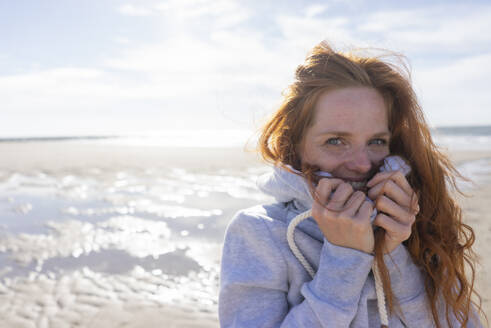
440	242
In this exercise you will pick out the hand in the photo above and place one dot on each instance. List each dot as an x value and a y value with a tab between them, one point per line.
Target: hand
344	216
397	206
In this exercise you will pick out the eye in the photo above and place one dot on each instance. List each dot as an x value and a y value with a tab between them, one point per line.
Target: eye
378	142
333	141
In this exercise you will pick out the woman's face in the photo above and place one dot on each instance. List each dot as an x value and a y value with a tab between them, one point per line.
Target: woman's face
350	135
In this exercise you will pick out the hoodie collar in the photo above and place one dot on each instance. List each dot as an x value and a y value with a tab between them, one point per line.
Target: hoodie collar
286	186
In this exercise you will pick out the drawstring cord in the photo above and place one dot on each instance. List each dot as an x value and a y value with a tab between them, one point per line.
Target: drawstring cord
379	288
291	241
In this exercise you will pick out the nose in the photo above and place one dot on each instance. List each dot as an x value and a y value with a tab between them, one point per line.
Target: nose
360	161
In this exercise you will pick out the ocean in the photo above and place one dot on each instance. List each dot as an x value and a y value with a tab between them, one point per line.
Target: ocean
80	239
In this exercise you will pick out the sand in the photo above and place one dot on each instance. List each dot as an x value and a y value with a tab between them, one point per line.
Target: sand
43	301
477	208
54	156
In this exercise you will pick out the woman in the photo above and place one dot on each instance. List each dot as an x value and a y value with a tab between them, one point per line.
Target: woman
339	122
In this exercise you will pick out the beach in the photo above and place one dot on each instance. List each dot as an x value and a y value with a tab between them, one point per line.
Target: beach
102	235
477	214
94	234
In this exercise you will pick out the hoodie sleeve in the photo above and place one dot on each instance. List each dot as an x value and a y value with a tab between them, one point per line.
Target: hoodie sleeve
254	281
407	282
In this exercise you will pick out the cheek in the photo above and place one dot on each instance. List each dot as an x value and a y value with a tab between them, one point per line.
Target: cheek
330	161
326	161
330	164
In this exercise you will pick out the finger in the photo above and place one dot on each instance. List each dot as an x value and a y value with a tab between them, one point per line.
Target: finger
414	208
365	211
340	196
354	203
390	189
324	189
396	176
400	180
400	214
395	230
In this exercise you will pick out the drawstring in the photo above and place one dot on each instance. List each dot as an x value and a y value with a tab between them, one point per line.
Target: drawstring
379	288
291	241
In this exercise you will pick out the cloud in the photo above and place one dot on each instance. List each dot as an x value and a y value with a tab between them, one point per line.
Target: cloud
232	63
304	32
122	40
132	10
458	27
71	89
457	92
314	10
223	13
215	65
47	90
450	55
198	8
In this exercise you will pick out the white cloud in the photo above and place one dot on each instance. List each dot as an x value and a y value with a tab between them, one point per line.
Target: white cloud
132	10
224	13
432	27
304	32
315	10
50	81
71	89
51	89
458	92
235	74
230	60
122	40
72	101
453	68
429	29
199	8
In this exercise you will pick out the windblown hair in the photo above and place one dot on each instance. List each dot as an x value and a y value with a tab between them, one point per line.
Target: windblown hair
440	243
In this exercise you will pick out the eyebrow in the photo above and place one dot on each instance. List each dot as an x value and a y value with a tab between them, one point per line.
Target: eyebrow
347	134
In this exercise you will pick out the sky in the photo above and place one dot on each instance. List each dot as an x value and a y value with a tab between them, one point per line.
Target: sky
98	67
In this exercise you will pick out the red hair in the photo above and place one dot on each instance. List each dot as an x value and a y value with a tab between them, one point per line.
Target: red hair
440	243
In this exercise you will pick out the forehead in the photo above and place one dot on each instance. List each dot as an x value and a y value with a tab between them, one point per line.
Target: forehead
351	109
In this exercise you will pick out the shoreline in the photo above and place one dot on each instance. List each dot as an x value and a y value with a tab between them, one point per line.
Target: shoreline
53	156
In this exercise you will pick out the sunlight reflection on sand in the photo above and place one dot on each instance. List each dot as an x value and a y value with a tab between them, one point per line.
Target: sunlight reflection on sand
95	247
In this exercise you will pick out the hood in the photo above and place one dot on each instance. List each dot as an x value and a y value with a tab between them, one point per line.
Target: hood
286	186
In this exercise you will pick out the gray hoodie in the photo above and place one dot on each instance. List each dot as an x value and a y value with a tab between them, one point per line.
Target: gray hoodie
262	284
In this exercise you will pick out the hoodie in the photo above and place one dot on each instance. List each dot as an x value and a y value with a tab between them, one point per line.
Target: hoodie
262	283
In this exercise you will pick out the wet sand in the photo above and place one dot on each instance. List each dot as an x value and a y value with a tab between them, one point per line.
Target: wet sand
110	277
477	213
141	297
